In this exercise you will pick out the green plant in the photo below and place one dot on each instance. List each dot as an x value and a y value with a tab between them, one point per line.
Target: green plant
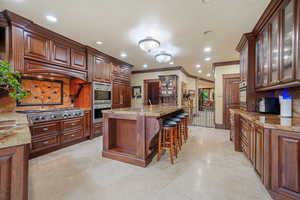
10	82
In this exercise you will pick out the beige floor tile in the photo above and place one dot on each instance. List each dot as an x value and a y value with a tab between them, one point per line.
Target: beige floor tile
207	168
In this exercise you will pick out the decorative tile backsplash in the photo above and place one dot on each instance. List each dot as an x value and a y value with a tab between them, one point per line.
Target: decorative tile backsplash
46	93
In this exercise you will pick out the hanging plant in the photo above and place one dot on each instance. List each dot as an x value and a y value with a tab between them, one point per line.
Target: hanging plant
10	82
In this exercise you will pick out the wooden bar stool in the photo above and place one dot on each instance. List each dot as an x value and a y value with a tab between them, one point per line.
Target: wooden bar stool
178	129
184	125
166	140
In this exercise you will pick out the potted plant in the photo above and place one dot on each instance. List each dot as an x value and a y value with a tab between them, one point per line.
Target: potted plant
10	87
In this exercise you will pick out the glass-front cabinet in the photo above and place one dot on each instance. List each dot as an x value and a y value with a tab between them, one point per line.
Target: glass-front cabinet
275	58
275	49
288	38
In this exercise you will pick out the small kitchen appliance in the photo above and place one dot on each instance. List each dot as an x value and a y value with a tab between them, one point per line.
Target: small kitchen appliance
269	105
285	105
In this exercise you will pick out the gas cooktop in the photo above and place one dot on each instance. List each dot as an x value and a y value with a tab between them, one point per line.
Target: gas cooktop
52	114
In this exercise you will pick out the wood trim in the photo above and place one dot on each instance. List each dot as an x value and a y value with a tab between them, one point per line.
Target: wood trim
225	63
231	76
283	85
219	126
267	14
180	68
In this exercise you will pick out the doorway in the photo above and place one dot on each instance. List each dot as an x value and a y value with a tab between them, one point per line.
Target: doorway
231	96
151	92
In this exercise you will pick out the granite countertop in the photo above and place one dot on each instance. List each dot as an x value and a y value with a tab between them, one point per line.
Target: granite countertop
150	111
270	121
14	129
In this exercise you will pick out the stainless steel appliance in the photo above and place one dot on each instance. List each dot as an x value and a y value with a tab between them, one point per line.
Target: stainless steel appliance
101	99
101	93
243	92
54	114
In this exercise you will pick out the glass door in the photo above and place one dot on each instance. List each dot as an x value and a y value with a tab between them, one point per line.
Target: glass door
288	38
274	67
259	56
265	58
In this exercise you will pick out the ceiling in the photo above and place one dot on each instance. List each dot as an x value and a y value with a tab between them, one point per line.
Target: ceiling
178	25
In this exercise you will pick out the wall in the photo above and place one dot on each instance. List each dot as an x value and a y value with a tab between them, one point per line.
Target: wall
138	80
219	72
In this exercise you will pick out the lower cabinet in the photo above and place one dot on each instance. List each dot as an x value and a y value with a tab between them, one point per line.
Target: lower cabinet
275	156
97	129
50	136
285	164
14	173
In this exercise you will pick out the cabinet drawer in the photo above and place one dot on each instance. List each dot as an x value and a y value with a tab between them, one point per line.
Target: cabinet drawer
44	143
72	123
71	135
49	128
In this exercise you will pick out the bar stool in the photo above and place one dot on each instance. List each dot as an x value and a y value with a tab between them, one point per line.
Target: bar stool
166	140
184	127
178	135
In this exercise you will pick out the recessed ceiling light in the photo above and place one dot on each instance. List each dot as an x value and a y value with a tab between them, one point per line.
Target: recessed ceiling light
198	66
145	65
99	42
123	55
172	63
200	71
207	59
51	18
208	74
207	49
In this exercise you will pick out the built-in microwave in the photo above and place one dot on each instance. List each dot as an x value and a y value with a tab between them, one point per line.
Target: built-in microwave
102	93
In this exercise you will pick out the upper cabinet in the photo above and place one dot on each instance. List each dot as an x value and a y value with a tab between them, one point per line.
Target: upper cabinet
78	59
37	46
288	41
60	53
277	48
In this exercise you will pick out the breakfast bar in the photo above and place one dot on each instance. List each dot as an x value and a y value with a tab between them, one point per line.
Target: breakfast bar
130	134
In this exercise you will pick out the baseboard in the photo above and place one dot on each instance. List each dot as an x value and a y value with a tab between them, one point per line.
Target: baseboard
220	126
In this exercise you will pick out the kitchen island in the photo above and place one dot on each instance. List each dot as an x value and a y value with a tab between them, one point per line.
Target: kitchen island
130	134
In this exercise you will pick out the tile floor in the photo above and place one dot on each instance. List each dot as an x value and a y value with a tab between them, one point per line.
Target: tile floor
207	169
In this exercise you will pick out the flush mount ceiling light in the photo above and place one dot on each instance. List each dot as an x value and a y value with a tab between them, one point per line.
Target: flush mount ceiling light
163	57
207	49
123	55
149	44
51	18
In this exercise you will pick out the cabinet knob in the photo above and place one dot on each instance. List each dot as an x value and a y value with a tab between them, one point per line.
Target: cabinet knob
73	124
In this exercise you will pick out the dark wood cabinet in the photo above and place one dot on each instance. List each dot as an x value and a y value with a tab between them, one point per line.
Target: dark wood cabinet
37	46
87	123
97	129
50	136
78	59
285	179
14	173
259	150
274	51
60	53
121	96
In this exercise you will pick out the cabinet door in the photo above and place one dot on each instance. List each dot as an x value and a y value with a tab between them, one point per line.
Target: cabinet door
288	42
99	64
78	59
37	46
107	72
265	56
60	53
285	178
13	173
116	95
127	96
122	94
259	151
274	66
259	62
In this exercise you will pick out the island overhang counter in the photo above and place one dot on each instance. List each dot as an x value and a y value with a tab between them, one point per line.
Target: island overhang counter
130	134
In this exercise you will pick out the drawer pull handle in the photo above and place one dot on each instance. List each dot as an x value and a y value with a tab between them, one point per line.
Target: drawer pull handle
46	142
73	124
45	129
72	135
